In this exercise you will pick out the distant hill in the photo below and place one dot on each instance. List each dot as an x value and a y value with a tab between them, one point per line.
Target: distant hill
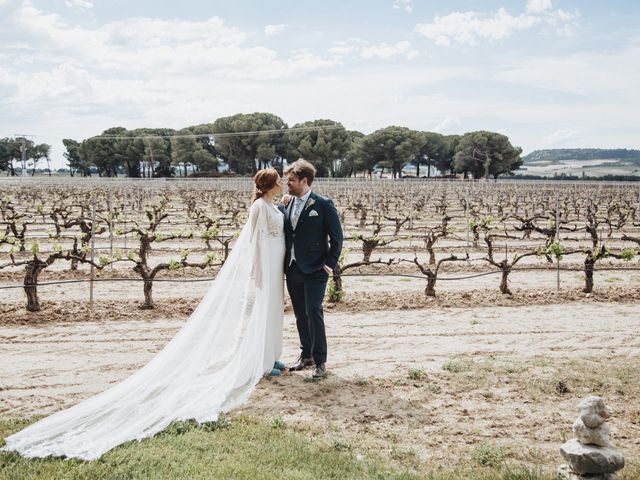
582	162
559	154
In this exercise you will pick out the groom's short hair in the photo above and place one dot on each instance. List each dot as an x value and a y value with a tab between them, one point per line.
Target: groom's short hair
301	168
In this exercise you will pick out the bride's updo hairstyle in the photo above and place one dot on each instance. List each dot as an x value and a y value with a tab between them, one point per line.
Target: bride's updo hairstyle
264	181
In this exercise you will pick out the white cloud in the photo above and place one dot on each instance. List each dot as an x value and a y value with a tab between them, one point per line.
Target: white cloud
273	29
563	22
135	72
471	27
539	6
307	61
606	76
150	46
341	50
406	5
385	52
81	4
356	47
448	125
63	80
347	47
562	136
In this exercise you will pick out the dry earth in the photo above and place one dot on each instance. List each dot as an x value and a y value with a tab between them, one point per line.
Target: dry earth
429	383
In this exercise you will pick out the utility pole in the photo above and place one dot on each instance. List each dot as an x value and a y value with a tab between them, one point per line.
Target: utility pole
151	161
23	151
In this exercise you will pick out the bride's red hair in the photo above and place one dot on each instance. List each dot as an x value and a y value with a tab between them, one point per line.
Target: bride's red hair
264	181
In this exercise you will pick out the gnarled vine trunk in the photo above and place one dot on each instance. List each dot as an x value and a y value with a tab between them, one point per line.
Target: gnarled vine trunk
33	270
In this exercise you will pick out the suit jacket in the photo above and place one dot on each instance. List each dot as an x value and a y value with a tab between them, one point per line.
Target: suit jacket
317	237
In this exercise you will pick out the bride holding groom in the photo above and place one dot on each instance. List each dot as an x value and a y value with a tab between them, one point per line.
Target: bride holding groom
230	341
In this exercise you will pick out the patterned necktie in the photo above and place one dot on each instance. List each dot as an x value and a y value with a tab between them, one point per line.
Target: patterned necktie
296	211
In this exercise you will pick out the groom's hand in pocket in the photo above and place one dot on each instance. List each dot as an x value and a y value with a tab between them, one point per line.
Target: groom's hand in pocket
328	270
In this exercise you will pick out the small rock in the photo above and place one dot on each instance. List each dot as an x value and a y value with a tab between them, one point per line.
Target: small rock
565	473
593	411
588	459
592	436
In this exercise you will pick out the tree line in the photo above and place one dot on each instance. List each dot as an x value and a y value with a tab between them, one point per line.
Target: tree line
17	149
245	143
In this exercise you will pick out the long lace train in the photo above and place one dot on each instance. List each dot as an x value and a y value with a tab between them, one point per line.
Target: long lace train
211	366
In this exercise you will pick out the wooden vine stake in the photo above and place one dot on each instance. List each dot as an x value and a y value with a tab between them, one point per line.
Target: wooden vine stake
93	248
557	241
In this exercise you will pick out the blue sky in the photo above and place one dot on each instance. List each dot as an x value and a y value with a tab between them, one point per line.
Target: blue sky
547	73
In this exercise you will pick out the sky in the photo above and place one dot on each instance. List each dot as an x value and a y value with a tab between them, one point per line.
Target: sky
546	73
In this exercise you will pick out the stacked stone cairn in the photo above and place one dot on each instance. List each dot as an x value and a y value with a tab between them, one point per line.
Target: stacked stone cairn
591	455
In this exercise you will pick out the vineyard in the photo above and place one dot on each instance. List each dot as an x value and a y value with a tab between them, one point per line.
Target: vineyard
465	319
475	235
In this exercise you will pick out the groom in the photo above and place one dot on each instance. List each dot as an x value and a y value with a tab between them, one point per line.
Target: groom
313	237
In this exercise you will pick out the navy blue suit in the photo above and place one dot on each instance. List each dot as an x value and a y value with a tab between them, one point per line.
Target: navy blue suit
317	240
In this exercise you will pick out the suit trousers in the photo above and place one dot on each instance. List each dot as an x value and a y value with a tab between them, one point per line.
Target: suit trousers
307	292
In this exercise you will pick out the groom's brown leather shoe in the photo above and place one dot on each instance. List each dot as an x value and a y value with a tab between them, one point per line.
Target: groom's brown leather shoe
301	364
320	371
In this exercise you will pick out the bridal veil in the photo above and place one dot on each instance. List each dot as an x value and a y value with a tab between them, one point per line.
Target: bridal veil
211	365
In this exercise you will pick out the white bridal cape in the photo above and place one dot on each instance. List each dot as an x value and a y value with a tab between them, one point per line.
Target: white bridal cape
211	366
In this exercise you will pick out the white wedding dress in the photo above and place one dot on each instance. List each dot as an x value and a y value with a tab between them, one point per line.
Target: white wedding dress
211	366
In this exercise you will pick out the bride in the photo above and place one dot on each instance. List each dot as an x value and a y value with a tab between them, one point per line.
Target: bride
212	365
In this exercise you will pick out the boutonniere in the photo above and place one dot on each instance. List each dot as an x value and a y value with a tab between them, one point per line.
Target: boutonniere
310	203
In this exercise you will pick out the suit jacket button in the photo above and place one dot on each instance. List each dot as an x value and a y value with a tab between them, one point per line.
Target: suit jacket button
294	235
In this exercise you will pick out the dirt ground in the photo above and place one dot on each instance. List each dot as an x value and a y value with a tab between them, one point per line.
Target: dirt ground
429	383
51	366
